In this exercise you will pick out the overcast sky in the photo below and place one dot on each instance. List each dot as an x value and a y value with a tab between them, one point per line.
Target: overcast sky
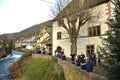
16	15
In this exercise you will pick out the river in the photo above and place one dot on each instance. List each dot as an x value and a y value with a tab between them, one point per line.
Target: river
6	62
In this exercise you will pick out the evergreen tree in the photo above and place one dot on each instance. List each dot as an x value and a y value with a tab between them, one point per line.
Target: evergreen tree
112	45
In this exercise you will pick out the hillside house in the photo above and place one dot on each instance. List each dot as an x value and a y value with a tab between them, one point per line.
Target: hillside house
44	40
89	34
25	42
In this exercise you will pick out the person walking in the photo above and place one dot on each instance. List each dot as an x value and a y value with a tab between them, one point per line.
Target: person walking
99	58
93	58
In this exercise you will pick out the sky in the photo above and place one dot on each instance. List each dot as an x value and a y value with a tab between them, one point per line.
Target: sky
17	15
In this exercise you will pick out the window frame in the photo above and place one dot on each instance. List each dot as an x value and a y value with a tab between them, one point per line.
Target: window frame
90	49
59	35
94	30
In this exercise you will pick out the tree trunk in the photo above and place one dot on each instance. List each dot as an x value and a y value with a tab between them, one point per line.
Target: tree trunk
74	46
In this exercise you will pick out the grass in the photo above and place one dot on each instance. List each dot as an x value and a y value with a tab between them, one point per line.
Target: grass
17	67
36	69
54	71
42	69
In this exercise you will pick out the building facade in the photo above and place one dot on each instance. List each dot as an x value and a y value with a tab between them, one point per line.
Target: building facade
89	34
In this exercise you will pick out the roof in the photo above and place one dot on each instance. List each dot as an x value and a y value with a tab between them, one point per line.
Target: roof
74	6
47	41
93	3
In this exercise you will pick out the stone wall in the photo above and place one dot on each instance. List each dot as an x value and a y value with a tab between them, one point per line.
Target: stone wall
41	56
72	72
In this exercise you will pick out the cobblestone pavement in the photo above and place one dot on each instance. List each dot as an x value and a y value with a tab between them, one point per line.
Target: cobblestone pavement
100	70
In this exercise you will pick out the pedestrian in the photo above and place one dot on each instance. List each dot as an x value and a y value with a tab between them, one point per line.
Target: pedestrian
83	57
63	57
44	51
93	58
72	58
79	60
89	66
99	58
58	51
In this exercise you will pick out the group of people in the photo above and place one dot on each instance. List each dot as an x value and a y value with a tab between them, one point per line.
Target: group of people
80	59
84	63
59	52
61	55
38	51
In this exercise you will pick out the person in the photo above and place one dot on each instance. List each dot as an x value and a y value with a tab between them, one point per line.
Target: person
38	51
44	52
55	52
93	58
34	52
72	58
63	57
58	51
79	60
83	57
99	58
89	66
59	55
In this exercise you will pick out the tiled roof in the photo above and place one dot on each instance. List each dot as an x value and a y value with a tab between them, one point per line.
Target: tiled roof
73	6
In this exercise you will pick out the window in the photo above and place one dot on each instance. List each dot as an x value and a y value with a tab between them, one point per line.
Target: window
58	35
94	31
90	49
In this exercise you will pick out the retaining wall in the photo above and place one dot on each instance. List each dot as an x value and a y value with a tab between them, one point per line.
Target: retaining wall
71	72
41	56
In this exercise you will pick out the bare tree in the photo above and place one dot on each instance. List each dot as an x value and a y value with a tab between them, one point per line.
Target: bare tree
58	6
74	16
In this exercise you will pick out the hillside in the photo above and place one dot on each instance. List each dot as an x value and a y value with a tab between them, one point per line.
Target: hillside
34	30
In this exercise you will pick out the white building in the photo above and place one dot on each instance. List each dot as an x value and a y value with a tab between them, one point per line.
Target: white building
89	35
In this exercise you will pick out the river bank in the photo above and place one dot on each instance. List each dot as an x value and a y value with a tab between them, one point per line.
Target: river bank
6	62
16	68
28	68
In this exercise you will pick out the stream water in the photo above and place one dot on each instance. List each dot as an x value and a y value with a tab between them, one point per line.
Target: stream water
6	62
